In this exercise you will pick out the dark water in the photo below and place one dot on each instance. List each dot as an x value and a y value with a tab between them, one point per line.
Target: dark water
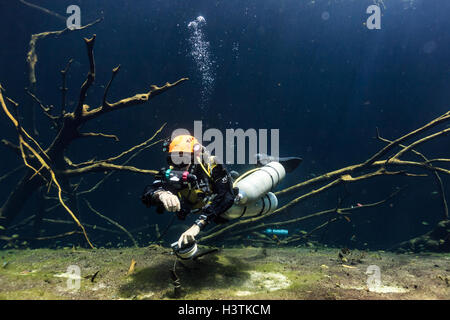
309	68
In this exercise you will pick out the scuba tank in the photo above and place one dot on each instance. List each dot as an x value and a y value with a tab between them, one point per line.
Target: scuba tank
254	197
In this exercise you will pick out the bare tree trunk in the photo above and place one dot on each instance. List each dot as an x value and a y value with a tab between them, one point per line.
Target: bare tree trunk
50	167
40	212
19	196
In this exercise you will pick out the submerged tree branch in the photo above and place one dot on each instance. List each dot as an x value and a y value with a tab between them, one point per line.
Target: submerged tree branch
445	117
32	58
131	101
43	163
112	222
51	166
354	173
104	167
90	77
436	174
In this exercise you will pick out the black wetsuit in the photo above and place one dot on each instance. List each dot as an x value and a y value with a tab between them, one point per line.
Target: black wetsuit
219	184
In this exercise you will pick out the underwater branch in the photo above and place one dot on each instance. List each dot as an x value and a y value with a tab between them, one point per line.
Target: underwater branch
376	166
51	167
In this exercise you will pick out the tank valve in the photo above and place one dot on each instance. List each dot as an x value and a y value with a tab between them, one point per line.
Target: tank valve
238	198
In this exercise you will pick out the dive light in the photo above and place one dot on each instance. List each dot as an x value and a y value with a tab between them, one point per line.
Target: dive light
185	252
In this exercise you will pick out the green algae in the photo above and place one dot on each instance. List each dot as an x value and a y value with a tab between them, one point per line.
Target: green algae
220	276
30	294
239	273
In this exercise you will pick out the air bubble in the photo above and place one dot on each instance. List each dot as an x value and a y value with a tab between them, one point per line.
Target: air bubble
200	52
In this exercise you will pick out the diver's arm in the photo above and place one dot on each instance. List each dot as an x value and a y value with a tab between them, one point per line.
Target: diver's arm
150	195
224	199
156	195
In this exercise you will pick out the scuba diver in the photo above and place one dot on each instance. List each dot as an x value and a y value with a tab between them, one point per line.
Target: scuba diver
195	182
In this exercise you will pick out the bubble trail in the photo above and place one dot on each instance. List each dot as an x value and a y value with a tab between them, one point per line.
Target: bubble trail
200	52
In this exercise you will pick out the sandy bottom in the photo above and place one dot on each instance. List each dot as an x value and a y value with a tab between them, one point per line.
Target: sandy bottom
239	273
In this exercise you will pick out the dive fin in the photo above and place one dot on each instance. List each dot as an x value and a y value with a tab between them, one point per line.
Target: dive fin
289	163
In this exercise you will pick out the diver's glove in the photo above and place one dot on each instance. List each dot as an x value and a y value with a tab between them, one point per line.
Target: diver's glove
169	200
188	236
